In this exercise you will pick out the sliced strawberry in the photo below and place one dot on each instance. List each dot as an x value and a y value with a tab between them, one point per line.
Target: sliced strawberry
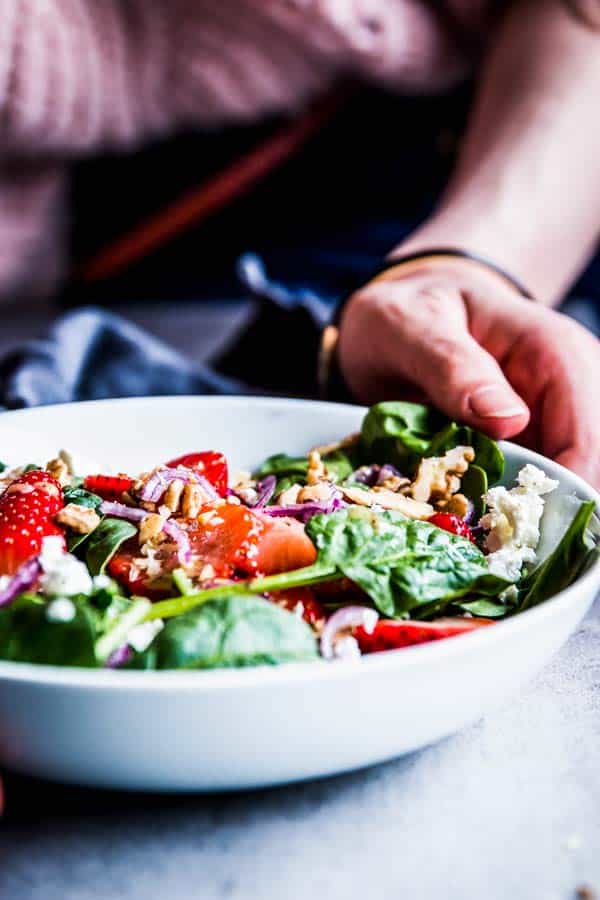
390	634
302	598
109	487
452	523
122	568
210	464
27	511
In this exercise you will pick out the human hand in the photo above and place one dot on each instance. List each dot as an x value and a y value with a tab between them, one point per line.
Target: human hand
458	334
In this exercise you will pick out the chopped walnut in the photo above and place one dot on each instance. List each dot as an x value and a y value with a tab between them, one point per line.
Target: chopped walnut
315	492
206	517
150	528
395	483
290	495
80	519
207	571
349	441
379	496
60	470
192	500
316	468
438	477
173	494
457	504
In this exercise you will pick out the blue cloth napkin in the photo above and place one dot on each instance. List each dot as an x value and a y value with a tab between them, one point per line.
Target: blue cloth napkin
92	354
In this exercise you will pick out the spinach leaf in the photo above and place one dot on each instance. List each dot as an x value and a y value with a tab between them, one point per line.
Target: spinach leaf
403	433
104	541
27	635
400	563
474	485
292	469
398	433
574	551
489	609
81	497
282	464
241	630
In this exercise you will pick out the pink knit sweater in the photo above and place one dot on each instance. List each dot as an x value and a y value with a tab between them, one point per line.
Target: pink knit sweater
78	76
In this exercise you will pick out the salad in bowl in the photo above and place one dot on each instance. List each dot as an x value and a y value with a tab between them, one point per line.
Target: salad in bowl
397	535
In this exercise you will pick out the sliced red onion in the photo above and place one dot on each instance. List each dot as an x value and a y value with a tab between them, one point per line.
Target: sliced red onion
368	475
120	511
305	511
375	474
119	657
265	490
160	480
348	617
23	580
184	550
388	471
469	516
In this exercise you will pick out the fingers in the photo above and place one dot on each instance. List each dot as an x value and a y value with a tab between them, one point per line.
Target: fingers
583	463
440	356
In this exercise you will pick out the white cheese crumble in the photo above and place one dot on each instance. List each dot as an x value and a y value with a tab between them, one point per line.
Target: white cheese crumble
346	647
61	610
513	520
63	574
141	636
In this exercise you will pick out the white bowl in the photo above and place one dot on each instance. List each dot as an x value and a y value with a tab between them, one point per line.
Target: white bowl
228	729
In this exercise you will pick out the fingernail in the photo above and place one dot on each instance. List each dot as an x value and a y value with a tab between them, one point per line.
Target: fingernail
489	402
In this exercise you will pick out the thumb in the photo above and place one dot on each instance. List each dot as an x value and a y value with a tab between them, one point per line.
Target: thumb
465	381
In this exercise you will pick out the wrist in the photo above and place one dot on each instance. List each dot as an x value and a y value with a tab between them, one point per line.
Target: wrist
476	233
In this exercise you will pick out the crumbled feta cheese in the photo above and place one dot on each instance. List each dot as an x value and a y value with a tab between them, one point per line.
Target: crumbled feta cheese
61	610
346	647
513	520
100	582
509	595
141	636
63	573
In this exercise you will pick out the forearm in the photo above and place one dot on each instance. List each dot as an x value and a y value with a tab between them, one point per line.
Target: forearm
526	188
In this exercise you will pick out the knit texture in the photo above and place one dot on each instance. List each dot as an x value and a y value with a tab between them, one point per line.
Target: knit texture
81	76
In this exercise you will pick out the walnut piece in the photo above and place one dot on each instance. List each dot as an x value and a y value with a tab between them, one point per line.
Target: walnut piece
457	504
150	528
315	492
316	468
173	494
395	483
379	496
80	519
192	500
438	477
290	495
60	470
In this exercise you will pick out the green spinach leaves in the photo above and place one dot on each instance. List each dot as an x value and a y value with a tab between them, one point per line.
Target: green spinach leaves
402	433
239	630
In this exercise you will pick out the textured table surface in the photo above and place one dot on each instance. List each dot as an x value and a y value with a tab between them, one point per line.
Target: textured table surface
509	808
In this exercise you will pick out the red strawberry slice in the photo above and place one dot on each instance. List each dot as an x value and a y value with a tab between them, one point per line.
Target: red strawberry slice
109	487
302	598
123	568
452	523
210	464
391	634
27	511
